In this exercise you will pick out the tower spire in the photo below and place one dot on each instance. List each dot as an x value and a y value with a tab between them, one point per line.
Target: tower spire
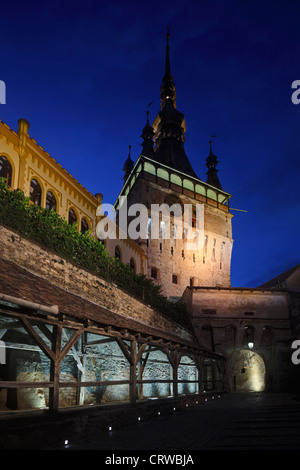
167	63
169	125
147	136
128	165
211	163
167	89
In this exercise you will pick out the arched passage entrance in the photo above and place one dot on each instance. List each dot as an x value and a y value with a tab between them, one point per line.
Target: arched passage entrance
246	371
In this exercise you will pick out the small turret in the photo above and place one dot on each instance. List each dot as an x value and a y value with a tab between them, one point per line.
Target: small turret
147	136
211	163
128	165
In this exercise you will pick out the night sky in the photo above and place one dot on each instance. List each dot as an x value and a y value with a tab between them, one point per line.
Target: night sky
83	74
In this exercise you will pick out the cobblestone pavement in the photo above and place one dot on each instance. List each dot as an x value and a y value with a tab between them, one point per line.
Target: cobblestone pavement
253	421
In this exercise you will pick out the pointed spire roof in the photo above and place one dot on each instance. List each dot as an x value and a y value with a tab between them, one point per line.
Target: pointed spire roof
169	126
167	64
167	89
212	173
147	136
128	165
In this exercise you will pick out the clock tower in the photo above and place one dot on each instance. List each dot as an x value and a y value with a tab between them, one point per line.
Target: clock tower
183	250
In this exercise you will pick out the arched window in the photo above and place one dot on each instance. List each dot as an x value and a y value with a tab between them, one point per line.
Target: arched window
50	201
118	253
35	192
72	217
5	170
84	226
222	255
132	264
213	254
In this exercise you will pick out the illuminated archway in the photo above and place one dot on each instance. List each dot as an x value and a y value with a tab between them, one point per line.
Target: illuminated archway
246	371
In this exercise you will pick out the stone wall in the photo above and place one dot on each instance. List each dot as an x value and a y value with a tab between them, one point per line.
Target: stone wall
227	319
79	281
173	263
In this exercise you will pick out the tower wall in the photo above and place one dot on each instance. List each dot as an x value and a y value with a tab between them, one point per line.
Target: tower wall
171	262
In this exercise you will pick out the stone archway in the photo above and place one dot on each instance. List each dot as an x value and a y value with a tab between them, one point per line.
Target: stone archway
246	371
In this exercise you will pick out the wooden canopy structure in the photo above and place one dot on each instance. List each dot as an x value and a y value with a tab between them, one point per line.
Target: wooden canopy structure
59	323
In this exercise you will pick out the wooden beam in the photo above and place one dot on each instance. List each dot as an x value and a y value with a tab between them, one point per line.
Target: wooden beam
125	349
69	345
133	364
55	369
31	331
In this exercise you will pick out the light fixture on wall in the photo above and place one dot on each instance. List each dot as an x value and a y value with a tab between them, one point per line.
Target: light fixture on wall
250	345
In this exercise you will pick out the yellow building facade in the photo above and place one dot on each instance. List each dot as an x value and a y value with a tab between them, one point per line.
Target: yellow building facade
27	166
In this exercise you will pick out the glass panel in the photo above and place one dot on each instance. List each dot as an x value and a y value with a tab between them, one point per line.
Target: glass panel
163	174
211	194
50	201
132	181
176	179
188	185
5	170
84	226
35	192
149	168
72	217
221	198
200	189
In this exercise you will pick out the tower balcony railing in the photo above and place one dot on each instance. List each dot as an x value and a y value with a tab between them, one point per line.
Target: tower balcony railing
177	181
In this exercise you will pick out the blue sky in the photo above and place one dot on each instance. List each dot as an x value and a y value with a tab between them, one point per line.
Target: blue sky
83	73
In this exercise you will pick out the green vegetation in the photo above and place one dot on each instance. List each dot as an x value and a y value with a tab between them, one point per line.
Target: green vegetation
53	232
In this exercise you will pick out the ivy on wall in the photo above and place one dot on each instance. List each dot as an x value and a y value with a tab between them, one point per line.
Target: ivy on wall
52	231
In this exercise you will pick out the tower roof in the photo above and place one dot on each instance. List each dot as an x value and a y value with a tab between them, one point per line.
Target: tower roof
147	136
167	89
212	173
169	125
128	165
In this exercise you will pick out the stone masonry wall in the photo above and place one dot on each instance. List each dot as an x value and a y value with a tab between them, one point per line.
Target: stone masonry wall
64	274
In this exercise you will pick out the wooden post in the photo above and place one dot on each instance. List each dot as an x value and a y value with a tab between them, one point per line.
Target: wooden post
55	369
174	358
175	379
199	363
141	366
133	364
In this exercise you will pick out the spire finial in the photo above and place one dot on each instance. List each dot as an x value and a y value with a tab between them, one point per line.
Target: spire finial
167	66
210	144
147	136
167	89
211	163
128	165
148	111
